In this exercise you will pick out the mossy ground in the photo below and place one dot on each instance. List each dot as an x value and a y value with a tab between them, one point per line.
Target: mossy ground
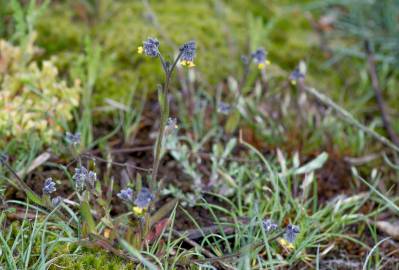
224	31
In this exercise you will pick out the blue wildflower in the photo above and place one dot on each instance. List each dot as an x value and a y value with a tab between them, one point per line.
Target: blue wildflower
171	126
49	186
80	177
150	47
84	177
224	108
73	139
291	233
56	201
126	195
259	56
298	73
143	198
244	59
91	178
268	225
188	53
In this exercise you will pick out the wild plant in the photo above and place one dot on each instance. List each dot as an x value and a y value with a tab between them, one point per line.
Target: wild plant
90	204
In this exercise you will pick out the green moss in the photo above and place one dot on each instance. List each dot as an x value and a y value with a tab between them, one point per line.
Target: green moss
92	259
221	31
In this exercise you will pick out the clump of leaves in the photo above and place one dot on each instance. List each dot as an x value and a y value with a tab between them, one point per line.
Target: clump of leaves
33	98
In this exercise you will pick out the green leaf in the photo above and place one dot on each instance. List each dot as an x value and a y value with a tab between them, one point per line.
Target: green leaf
313	165
34	197
87	216
232	121
162	212
135	253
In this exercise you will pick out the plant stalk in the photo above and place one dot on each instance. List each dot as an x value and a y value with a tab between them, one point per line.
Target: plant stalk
164	117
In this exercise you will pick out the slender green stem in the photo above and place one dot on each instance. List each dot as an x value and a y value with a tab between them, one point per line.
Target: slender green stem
164	117
243	81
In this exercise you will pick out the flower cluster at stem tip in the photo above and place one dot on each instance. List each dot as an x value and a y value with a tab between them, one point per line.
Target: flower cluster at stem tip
142	201
290	233
298	74
150	48
73	139
49	186
48	189
188	54
259	56
84	177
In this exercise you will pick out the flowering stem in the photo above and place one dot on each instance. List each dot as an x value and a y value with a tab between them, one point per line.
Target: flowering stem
164	116
243	82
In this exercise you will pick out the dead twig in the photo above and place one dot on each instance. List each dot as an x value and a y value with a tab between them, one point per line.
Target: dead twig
111	162
378	94
346	116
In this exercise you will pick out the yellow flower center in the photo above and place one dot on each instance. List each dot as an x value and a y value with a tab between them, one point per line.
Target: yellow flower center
186	63
264	64
285	244
138	210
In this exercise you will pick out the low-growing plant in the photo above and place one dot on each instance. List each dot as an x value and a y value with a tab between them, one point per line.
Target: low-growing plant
34	101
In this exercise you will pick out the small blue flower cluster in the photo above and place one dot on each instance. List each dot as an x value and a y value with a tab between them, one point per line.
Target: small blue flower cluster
290	232
73	139
143	198
49	188
268	225
224	108
84	177
299	73
259	57
187	51
150	47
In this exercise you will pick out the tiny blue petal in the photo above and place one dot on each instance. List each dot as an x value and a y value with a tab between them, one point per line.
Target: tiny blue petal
224	108
143	198
72	138
268	225
56	201
259	56
49	186
126	194
291	233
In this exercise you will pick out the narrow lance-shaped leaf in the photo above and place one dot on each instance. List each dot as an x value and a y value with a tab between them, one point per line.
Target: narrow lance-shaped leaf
313	165
87	216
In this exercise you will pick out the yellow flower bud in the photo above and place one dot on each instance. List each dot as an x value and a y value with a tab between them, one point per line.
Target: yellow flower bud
138	211
285	244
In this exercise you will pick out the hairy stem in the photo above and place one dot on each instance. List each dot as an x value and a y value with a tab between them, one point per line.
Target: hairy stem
164	117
